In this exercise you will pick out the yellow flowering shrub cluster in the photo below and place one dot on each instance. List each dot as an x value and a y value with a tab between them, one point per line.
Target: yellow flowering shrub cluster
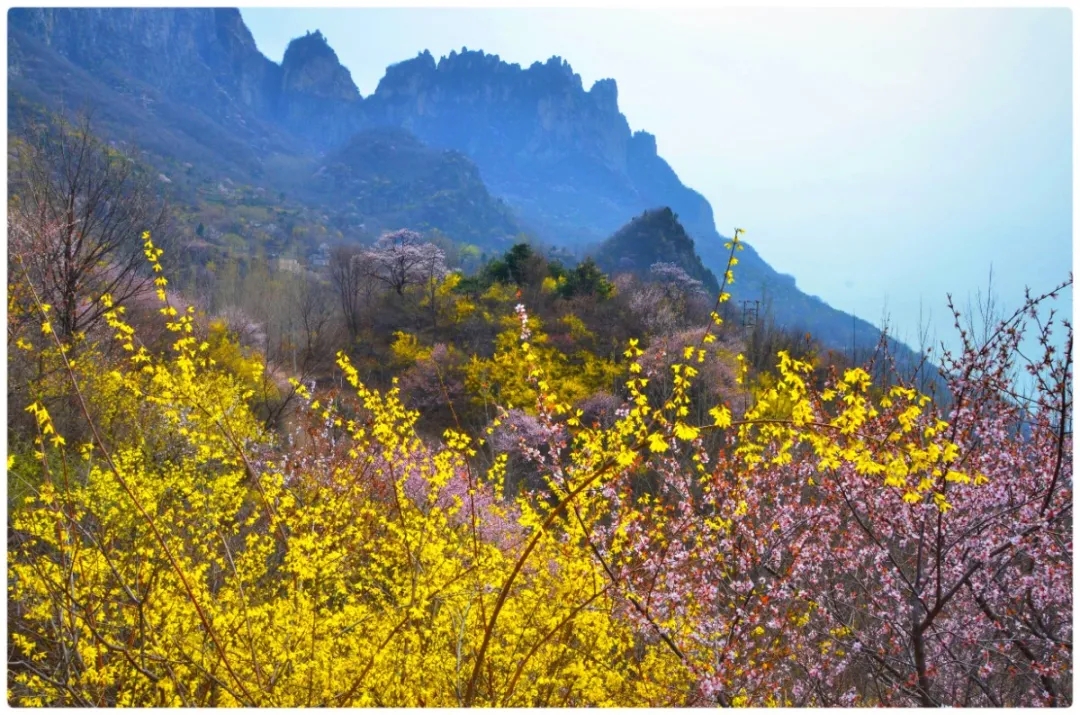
187	559
506	379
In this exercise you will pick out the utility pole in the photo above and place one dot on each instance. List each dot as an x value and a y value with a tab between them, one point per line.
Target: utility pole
750	309
853	341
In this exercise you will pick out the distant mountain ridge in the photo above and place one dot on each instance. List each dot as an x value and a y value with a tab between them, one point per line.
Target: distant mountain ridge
564	156
566	160
191	82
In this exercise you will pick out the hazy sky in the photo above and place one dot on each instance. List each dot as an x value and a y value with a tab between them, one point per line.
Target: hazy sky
882	157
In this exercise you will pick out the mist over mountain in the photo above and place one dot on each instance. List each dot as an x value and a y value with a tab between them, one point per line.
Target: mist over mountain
533	150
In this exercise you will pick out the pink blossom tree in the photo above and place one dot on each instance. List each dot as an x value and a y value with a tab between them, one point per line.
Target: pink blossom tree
927	562
402	258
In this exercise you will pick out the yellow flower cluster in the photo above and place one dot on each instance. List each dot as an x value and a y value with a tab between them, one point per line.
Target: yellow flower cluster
180	562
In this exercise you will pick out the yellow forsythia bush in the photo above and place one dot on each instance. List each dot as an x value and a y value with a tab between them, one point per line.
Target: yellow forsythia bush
208	574
185	557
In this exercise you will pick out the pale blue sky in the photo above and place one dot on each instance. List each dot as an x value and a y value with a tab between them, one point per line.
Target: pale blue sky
882	157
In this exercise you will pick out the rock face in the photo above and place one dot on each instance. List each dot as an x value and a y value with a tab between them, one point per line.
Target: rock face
206	59
311	68
540	139
318	99
183	83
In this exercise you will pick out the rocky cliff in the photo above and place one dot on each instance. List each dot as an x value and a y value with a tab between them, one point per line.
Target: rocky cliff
202	56
565	156
541	140
187	84
318	99
206	60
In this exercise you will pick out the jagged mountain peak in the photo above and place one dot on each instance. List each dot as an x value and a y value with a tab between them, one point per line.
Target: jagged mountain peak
606	94
463	100
469	58
556	73
309	46
311	66
644	143
477	66
407	76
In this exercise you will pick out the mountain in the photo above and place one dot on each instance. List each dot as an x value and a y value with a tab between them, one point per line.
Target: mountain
191	90
566	160
317	98
109	62
198	61
554	151
190	87
654	237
